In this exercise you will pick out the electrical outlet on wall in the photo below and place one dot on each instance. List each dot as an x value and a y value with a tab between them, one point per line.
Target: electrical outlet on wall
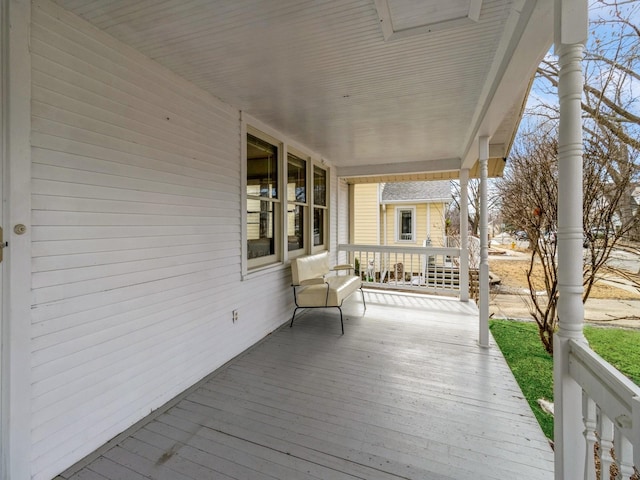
234	316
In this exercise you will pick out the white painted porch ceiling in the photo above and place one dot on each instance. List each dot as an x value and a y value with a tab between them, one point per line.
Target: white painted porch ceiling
322	72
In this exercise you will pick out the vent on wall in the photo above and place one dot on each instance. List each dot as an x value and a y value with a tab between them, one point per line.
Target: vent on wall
404	18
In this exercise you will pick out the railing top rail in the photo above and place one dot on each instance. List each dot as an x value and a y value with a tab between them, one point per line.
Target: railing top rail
609	388
394	249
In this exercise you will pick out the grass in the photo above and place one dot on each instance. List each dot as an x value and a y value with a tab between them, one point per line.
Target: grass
621	348
530	363
533	366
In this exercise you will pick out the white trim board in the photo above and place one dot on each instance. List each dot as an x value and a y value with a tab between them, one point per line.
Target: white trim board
16	302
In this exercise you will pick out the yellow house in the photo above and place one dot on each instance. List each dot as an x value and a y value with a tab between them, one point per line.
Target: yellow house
404	214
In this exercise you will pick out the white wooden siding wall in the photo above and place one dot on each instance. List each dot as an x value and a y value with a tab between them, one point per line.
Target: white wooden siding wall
342	213
333	217
136	239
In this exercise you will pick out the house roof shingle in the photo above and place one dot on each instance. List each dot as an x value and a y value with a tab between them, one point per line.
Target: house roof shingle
417	191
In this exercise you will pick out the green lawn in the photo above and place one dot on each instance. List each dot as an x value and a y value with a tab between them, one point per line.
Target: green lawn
533	367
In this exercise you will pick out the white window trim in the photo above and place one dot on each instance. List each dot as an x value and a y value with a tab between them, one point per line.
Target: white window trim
16	391
277	257
397	230
307	205
244	250
327	221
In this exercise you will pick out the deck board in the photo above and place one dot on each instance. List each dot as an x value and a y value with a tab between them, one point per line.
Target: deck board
87	474
406	393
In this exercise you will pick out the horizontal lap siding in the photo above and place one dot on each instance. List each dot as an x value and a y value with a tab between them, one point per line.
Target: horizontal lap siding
421	224
366	214
342	214
136	239
334	221
436	216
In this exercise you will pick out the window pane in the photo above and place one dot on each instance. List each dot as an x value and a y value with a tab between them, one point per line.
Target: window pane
295	222
406	225
260	228
262	168
318	226
319	186
297	180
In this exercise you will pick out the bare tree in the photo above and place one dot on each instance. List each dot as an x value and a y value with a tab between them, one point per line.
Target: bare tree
606	213
531	187
473	193
611	99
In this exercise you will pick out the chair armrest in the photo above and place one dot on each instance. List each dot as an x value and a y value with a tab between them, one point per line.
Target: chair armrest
343	267
312	281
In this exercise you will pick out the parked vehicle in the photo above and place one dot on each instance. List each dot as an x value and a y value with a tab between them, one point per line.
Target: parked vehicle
598	233
549	237
521	235
595	234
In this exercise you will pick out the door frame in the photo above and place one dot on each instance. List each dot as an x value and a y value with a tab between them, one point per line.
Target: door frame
3	176
15	316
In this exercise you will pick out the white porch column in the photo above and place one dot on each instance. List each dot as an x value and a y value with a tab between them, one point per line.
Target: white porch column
570	35
483	303
464	235
15	151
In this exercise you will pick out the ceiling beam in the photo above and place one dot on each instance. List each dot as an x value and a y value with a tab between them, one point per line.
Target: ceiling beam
423	166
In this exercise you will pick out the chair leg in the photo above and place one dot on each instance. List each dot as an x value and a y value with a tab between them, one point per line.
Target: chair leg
363	301
294	316
296	310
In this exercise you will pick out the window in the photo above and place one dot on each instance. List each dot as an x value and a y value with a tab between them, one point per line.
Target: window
405	224
319	207
296	203
263	202
287	205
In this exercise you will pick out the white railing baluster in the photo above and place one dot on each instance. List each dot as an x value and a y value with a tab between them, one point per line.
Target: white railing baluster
404	268
589	415
635	419
624	455
606	446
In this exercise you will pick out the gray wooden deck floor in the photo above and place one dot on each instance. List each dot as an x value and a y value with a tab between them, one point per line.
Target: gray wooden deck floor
406	393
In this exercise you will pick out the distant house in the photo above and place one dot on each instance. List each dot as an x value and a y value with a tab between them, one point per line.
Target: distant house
402	214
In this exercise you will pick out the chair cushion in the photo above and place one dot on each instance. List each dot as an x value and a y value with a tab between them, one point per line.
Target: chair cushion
309	266
340	287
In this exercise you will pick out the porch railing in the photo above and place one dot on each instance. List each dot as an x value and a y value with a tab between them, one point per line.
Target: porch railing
429	269
611	413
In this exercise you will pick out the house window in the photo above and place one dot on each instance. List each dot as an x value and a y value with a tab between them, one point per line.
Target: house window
263	201
320	216
405	224
296	203
287	209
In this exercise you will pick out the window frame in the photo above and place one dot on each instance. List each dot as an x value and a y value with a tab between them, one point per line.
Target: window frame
253	267
305	205
398	226
276	202
324	208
